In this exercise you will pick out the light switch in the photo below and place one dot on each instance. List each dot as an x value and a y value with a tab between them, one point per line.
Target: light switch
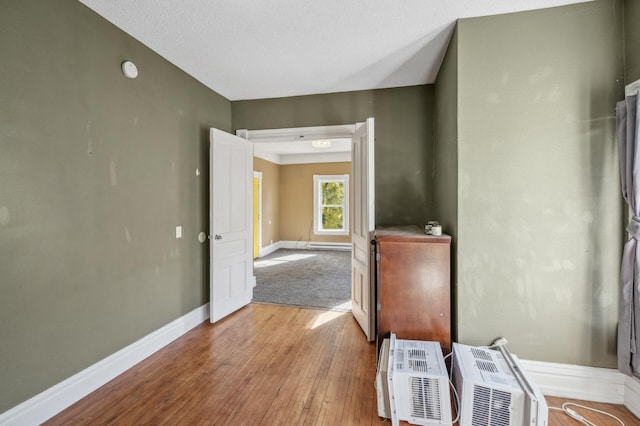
178	231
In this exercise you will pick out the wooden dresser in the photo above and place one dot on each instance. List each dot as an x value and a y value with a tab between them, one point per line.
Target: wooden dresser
413	285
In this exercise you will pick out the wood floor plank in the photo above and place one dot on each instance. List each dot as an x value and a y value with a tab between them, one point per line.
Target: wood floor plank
310	362
557	418
263	365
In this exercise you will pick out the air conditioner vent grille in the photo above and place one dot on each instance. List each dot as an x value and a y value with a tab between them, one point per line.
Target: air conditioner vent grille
420	365
500	404
417	353
425	398
491	407
481	404
487	366
421	388
481	354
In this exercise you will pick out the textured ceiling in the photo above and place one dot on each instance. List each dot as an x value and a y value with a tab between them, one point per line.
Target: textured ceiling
248	49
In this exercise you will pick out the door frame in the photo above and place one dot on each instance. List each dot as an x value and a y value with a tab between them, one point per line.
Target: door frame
298	133
313	133
289	134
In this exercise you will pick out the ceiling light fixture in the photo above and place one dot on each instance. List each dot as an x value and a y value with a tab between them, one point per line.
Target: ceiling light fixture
321	143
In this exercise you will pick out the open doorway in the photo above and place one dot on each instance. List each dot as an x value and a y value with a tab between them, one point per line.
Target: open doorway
321	207
303	205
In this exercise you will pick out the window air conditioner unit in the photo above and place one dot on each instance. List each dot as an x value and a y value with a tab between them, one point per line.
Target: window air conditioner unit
495	390
418	383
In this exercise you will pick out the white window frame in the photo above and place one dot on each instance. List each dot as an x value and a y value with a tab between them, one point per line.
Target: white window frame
317	204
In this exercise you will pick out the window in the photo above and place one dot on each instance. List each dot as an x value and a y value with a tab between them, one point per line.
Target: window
331	204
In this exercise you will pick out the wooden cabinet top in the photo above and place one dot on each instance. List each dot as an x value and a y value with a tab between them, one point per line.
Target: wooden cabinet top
408	233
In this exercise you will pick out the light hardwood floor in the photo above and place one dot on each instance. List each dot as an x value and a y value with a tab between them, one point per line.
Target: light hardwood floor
263	365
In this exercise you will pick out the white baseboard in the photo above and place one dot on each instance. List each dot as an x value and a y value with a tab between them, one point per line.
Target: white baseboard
268	249
58	397
578	382
302	245
632	395
314	245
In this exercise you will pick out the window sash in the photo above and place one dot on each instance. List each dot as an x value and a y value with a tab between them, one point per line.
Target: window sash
319	207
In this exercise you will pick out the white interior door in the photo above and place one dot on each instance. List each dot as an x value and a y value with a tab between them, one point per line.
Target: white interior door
362	172
231	223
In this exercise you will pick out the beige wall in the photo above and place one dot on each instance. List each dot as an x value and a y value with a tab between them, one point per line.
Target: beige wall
287	200
296	200
270	200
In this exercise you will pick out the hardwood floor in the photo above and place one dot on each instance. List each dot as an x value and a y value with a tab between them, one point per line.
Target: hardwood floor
557	418
263	365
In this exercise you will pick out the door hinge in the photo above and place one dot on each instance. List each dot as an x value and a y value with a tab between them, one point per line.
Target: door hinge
378	257
378	307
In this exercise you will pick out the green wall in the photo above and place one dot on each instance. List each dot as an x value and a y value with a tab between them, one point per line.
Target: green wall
446	157
632	40
403	139
539	204
96	171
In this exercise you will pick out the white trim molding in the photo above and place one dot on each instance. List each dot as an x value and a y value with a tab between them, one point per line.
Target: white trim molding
269	249
329	157
50	402
303	245
578	382
314	245
587	383
263	139
318	206
317	245
632	395
632	88
298	133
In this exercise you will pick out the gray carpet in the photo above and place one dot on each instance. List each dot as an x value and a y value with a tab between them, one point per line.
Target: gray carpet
311	278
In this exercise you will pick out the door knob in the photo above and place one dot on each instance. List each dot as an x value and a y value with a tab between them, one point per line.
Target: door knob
218	237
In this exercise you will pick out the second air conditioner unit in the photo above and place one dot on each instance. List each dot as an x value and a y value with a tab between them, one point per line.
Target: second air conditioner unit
418	383
495	390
